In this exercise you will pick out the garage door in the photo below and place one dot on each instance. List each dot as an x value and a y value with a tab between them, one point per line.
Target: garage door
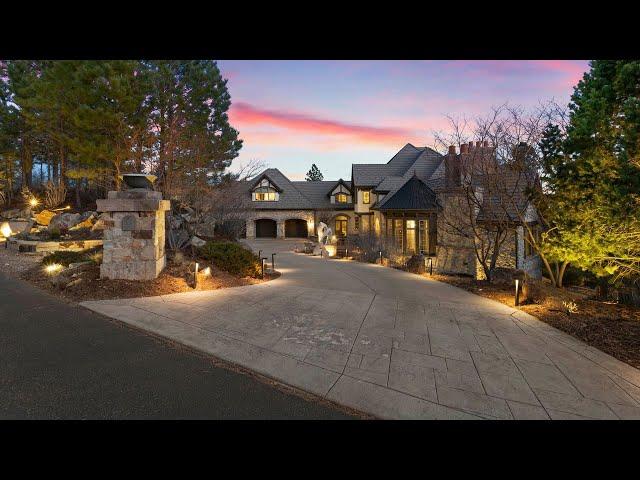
266	228
295	228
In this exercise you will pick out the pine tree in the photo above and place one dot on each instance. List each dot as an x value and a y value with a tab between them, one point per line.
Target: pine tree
314	174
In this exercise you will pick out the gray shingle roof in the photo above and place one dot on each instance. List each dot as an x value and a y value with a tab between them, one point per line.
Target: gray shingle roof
371	174
318	193
290	197
414	194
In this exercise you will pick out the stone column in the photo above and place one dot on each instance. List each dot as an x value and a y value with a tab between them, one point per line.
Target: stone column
133	234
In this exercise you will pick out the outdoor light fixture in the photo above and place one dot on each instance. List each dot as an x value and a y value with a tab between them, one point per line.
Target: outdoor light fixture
273	262
195	276
33	202
5	229
53	268
263	260
380	257
517	301
207	271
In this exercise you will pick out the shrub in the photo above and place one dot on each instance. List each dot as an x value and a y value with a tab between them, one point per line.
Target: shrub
55	233
232	258
66	258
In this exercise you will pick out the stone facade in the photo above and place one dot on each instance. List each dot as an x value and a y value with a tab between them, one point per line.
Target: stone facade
134	234
280	217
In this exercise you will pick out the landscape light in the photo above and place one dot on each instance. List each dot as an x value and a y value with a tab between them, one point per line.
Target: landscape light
5	229
517	299
207	271
33	202
53	268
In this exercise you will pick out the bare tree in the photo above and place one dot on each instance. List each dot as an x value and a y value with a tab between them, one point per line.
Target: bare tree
489	183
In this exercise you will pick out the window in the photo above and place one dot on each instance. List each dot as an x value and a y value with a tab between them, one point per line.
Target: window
423	235
411	236
341	198
398	234
265	196
528	248
366	197
357	223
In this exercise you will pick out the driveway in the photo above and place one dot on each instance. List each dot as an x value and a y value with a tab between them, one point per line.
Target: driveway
392	344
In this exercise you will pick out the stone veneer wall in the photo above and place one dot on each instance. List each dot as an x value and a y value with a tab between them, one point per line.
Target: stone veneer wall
280	216
134	234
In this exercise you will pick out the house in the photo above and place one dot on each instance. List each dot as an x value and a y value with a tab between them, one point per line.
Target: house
407	203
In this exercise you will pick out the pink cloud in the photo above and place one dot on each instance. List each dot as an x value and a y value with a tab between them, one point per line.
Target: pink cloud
244	114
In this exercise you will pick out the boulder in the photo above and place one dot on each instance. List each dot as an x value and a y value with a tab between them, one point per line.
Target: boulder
99	223
44	217
416	264
197	242
12	213
64	221
87	220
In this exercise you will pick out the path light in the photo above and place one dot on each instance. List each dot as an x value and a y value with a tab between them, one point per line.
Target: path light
33	202
273	262
53	268
195	276
5	229
380	257
264	259
206	272
430	265
517	301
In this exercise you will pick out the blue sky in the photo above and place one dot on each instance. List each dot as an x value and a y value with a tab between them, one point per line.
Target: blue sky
291	114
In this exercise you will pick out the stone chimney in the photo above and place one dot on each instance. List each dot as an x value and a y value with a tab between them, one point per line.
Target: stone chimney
452	170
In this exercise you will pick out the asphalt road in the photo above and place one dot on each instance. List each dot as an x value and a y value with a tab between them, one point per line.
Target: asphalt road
59	361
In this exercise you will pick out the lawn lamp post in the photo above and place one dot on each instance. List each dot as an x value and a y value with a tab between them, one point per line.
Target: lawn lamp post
517	299
273	262
5	229
195	277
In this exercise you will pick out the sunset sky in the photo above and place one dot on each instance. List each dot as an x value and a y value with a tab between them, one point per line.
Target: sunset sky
291	114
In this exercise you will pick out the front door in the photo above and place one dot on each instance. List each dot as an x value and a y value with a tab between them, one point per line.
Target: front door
341	226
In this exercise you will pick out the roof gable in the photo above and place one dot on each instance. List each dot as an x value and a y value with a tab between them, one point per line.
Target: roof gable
414	194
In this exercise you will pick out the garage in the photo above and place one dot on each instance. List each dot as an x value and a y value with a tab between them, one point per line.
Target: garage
266	228
295	228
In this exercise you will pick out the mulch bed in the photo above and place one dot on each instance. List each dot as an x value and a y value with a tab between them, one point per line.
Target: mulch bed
610	327
173	279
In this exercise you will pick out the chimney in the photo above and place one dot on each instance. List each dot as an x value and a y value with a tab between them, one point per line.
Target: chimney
478	143
464	148
452	166
452	149
485	143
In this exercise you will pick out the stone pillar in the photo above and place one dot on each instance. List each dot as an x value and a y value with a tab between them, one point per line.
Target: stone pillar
280	228
133	234
251	228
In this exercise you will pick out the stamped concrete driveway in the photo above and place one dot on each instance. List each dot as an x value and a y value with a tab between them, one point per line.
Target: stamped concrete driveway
392	344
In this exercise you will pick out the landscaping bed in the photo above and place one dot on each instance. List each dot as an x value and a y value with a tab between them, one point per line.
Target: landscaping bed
607	326
228	266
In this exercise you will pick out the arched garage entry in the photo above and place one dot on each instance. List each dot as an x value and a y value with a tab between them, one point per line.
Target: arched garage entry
296	228
266	228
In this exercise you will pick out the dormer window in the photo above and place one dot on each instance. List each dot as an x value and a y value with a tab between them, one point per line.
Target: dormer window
341	198
265	191
268	195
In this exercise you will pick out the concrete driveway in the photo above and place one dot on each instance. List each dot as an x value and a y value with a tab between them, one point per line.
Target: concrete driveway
392	344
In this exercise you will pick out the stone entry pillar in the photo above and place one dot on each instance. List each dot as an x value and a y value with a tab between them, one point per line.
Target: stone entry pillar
133	234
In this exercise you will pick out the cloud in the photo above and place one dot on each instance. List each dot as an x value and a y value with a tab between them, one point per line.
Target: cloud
245	114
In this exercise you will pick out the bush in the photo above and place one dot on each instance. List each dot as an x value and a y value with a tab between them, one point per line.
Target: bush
66	258
232	258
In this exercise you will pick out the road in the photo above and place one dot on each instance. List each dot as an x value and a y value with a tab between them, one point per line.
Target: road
59	361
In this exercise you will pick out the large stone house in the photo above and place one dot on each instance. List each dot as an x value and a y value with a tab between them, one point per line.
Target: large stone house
403	202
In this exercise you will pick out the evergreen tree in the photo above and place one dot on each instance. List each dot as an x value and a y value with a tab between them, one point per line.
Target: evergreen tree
314	174
593	172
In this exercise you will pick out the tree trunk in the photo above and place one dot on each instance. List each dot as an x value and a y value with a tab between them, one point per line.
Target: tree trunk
63	167
561	273
26	163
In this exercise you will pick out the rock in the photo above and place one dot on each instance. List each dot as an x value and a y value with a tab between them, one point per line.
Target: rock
99	224
64	221
416	264
88	221
73	283
44	217
197	242
12	213
18	226
74	268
